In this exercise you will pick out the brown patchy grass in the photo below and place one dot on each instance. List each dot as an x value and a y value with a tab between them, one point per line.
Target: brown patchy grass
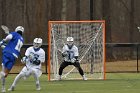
18	68
116	66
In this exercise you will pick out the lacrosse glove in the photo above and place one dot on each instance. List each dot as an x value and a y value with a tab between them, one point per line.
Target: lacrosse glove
73	60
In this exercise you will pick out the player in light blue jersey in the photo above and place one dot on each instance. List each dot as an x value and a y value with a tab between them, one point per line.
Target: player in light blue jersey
34	57
70	54
11	46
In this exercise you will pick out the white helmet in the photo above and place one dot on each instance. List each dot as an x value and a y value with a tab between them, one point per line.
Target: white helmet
37	42
19	28
70	39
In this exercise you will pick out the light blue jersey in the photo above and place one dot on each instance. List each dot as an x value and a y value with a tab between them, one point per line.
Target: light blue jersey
14	45
71	52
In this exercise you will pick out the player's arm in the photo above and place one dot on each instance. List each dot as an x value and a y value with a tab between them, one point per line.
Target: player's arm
30	58
76	55
42	57
24	59
64	52
8	38
3	42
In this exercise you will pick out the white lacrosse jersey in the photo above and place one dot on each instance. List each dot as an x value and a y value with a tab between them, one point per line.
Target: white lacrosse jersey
71	53
40	54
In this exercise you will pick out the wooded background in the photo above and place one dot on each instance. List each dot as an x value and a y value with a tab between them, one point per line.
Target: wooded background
122	18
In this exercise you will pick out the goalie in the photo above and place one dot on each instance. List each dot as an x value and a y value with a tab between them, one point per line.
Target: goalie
70	54
34	56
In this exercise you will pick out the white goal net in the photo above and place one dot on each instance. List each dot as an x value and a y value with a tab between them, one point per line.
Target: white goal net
89	37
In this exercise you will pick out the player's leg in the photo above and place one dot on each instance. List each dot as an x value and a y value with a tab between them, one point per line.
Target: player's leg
7	64
2	75
37	73
62	66
18	77
77	65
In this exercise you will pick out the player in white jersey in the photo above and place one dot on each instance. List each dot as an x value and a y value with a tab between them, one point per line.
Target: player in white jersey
70	54
11	46
34	56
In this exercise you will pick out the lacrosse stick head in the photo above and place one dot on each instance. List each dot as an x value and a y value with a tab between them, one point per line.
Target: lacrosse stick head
5	29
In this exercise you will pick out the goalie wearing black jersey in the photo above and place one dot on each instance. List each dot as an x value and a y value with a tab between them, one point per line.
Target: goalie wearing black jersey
70	54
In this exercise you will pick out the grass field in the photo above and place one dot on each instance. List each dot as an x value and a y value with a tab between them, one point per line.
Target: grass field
115	83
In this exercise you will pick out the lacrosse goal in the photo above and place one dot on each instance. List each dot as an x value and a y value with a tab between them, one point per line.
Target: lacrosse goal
89	37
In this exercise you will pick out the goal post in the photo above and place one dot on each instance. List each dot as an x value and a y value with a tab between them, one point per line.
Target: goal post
89	37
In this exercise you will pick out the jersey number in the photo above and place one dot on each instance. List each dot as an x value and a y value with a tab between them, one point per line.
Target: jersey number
19	45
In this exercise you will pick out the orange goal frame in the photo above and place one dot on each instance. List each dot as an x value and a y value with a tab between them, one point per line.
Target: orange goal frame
86	21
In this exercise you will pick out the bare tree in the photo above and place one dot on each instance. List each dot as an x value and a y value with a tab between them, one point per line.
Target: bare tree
63	12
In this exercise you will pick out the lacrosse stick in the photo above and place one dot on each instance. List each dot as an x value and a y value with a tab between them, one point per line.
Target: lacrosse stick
5	29
138	28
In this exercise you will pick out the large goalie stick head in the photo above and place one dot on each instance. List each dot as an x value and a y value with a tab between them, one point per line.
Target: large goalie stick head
5	29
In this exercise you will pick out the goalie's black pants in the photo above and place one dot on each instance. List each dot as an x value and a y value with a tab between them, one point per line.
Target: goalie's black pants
76	64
